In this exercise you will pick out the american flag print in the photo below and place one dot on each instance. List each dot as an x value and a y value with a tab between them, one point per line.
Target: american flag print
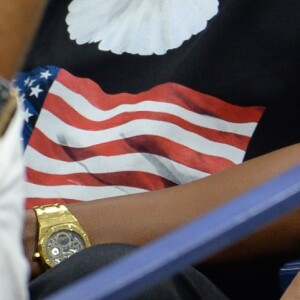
82	143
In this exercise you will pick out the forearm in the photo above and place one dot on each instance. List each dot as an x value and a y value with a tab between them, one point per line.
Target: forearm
138	219
18	22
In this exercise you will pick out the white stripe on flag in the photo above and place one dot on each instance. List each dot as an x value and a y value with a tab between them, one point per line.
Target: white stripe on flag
78	192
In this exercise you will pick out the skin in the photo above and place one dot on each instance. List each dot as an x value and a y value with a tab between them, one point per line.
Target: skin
23	17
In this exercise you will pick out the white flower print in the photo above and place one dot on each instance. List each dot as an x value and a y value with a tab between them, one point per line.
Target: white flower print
143	27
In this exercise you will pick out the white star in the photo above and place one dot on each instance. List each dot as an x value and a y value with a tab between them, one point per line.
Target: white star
31	82
26	115
45	74
26	81
35	91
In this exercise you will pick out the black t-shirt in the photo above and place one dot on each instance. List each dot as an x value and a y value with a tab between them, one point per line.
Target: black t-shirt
246	56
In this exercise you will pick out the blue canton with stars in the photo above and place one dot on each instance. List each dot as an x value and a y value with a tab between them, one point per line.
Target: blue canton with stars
32	90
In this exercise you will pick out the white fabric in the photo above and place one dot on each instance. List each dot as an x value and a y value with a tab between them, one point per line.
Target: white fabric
13	265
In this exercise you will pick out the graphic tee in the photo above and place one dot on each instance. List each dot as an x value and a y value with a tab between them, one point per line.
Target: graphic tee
98	123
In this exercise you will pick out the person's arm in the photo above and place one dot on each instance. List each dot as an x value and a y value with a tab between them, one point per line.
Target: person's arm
140	218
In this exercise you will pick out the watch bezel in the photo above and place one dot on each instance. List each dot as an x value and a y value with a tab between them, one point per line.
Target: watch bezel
53	229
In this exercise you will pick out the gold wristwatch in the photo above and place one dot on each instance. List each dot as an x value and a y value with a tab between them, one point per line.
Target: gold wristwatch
60	234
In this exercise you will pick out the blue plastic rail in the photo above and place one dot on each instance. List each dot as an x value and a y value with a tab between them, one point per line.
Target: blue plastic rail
191	243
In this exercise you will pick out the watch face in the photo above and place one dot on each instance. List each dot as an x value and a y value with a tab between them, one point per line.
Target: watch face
62	241
63	244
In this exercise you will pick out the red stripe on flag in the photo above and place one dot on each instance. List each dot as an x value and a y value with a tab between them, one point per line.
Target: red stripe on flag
134	179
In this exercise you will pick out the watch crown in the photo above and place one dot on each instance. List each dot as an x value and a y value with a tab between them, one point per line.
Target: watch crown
36	255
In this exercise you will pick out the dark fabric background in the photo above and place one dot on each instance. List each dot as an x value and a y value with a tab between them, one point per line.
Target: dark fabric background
248	55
